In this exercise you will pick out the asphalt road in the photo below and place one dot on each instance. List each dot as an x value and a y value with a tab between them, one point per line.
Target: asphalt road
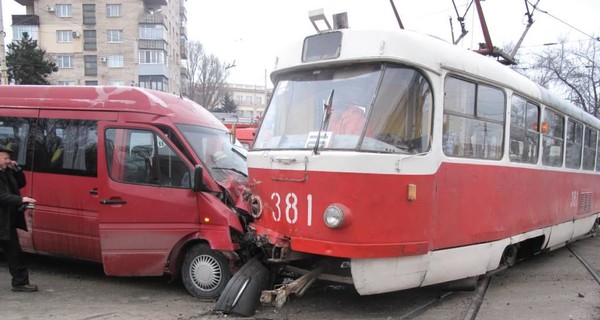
547	286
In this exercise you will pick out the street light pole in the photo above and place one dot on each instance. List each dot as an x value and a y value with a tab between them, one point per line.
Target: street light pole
3	67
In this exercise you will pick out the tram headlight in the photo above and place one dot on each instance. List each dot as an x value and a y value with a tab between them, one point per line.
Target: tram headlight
334	216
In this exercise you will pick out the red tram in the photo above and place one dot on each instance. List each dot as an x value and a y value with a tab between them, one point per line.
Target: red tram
394	160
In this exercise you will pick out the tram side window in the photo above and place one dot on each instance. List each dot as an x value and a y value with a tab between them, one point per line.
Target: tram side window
402	114
524	135
13	135
553	129
64	146
474	116
589	148
574	144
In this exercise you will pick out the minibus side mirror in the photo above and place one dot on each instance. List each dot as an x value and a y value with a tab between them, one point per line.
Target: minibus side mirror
198	182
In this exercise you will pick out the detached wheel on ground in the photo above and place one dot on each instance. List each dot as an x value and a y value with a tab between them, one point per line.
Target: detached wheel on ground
205	272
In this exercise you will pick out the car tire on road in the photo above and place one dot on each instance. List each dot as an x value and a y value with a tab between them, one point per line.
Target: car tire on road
205	272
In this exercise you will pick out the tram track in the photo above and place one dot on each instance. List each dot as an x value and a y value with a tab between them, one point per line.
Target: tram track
471	311
549	285
586	264
478	297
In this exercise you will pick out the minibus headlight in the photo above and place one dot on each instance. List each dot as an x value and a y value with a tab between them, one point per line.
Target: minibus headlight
334	216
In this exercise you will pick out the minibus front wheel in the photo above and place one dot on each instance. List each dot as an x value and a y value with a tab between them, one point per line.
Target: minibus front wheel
205	272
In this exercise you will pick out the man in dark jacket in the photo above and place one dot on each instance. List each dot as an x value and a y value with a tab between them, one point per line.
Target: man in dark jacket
12	179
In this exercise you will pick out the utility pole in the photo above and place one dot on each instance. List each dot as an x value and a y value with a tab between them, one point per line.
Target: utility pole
3	68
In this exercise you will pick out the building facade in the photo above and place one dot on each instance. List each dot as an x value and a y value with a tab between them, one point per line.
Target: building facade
110	42
251	100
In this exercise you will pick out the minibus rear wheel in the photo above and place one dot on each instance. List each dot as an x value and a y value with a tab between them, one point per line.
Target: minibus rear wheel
205	272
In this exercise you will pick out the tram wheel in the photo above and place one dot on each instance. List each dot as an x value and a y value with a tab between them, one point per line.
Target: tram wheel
509	256
595	227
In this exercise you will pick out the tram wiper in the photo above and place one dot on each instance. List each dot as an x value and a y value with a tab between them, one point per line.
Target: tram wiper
325	123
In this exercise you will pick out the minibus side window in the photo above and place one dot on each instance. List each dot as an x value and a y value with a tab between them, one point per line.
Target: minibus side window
141	157
64	146
172	170
13	135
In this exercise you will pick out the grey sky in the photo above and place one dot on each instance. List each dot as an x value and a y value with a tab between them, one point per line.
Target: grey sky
250	32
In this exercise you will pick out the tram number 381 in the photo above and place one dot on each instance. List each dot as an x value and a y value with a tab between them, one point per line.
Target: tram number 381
289	207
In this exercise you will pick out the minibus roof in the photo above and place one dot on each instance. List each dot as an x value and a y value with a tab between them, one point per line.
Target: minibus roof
108	98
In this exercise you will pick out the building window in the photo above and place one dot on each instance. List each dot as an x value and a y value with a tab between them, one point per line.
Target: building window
91	66
89	14
63	36
89	40
152	32
152	57
18	31
91	83
113	10
118	83
114	61
114	36
64	10
64	62
67	83
160	83
257	100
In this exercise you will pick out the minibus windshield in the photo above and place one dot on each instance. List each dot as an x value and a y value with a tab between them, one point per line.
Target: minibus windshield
221	157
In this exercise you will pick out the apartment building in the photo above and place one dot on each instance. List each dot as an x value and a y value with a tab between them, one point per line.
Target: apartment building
251	100
110	42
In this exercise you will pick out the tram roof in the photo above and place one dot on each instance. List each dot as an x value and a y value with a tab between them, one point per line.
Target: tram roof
433	54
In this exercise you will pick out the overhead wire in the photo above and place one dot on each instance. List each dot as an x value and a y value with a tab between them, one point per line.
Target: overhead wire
562	21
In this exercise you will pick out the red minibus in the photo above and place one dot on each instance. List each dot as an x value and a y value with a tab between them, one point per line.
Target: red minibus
145	182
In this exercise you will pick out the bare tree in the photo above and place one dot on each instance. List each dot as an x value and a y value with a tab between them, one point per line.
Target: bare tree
207	76
195	52
571	71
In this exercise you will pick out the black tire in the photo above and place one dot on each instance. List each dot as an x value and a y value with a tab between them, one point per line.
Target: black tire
205	272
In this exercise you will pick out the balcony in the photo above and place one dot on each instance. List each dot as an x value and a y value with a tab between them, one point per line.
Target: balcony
25	2
156	2
183	12
152	18
25	20
183	32
153	69
183	71
153	44
183	51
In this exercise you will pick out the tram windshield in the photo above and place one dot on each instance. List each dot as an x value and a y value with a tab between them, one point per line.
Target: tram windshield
373	107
